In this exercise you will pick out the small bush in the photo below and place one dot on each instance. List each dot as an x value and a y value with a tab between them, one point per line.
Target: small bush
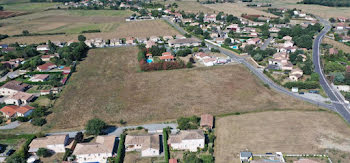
38	121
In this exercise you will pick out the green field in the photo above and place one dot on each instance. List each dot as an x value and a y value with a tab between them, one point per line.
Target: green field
29	7
99	12
12	1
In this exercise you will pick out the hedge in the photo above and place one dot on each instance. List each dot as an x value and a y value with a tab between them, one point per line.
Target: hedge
38	34
67	154
38	72
121	150
165	144
303	85
91	31
23	150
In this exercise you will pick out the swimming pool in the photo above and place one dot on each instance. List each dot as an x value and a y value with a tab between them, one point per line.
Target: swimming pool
149	60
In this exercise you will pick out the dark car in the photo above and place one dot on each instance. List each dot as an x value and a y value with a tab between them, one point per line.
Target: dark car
313	91
301	93
10	152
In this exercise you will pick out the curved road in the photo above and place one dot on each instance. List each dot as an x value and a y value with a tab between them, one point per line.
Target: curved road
332	93
260	74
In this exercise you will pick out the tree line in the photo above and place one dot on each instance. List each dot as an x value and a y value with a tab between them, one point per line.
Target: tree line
330	3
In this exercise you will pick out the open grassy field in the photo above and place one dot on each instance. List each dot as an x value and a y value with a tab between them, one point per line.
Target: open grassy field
108	85
29	7
190	6
12	1
323	11
292	132
338	45
111	23
237	9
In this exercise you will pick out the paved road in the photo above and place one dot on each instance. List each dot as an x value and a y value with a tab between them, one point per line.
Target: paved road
266	43
10	126
11	75
258	72
332	93
116	131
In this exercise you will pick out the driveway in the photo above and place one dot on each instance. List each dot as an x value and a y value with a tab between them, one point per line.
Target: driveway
11	75
117	131
10	126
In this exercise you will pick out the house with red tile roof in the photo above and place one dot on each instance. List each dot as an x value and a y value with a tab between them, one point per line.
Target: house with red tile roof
172	160
46	67
16	111
207	121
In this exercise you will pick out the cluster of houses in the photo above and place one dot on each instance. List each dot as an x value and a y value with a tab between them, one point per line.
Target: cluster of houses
208	60
103	147
341	28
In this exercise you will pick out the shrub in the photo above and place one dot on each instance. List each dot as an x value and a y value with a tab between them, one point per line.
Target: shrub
38	121
67	153
22	119
165	144
188	123
121	150
95	126
43	152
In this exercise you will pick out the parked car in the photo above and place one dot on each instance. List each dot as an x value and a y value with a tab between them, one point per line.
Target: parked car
10	152
314	91
301	93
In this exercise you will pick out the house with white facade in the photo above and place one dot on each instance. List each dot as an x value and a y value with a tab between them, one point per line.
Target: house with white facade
55	143
12	87
187	140
184	42
16	111
97	151
43	48
19	99
295	74
147	144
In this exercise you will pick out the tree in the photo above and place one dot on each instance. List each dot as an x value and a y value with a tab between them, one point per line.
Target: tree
227	41
79	137
332	20
348	33
258	57
1	8
191	158
43	152
16	158
95	126
81	38
25	32
189	65
314	77
38	121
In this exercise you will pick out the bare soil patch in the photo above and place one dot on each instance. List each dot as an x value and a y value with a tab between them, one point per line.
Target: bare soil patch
109	86
292	132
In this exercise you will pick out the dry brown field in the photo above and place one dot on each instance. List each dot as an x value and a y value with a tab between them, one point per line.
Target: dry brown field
109	86
292	132
337	45
237	9
111	23
323	11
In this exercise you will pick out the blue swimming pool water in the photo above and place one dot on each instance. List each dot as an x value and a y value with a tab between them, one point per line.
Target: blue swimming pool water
149	60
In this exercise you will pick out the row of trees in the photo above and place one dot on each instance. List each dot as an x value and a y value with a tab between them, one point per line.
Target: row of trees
302	37
331	3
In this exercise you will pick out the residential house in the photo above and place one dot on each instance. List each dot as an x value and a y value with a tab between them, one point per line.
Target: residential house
46	67
333	51
287	44
166	56
210	18
340	26
43	48
46	58
287	38
148	144
201	55
344	88
55	143
13	63
281	60
154	38
172	160
180	37
39	78
253	41
150	43
219	40
114	42
342	19
13	87
16	111
295	74
245	156
207	121
184	42
168	37
209	61
19	98
97	151
129	40
187	140
274	30
234	27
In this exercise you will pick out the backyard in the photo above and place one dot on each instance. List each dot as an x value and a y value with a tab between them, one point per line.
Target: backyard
289	132
124	93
